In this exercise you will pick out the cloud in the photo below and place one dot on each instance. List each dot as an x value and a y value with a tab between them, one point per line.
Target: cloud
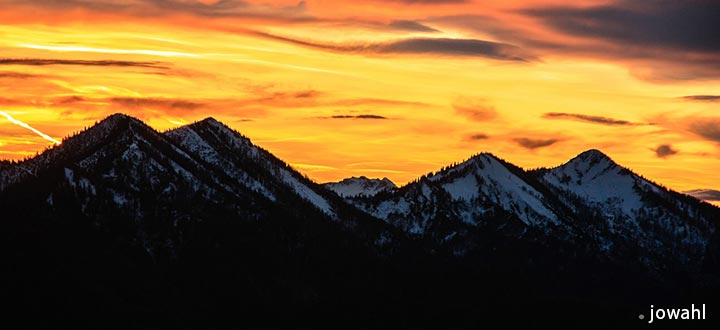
364	116
658	40
533	144
428	46
218	9
429	2
707	128
702	98
135	102
704	194
411	26
18	75
478	136
587	118
664	151
380	102
44	62
476	109
690	25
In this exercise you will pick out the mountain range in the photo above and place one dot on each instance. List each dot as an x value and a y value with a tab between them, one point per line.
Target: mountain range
197	227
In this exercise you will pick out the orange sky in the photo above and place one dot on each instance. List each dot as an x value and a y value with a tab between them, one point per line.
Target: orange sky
379	88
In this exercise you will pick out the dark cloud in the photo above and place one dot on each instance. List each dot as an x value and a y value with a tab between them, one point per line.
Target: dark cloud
478	136
365	116
704	194
665	150
707	128
682	25
457	47
381	102
43	62
68	100
428	2
222	8
702	98
430	46
535	143
411	26
485	25
7	101
658	40
231	8
475	108
132	102
587	118
18	75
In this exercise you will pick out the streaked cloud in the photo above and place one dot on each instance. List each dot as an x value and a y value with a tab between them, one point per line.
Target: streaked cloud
702	98
428	46
411	26
85	49
44	62
363	116
588	118
171	104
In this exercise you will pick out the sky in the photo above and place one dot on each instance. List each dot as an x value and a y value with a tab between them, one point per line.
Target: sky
393	88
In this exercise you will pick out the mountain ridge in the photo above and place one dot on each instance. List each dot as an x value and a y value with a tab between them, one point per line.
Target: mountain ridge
194	225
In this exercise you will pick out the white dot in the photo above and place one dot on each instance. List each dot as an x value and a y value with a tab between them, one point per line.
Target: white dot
642	317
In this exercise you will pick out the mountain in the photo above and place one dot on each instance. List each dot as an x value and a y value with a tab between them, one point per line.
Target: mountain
622	210
122	226
590	202
123	219
356	186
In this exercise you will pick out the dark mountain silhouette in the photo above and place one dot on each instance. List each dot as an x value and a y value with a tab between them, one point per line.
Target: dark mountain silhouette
125	227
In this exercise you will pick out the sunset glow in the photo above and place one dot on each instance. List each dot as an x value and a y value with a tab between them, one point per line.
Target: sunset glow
378	88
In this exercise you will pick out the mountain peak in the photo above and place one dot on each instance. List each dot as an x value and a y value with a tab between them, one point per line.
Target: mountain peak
357	186
210	120
593	155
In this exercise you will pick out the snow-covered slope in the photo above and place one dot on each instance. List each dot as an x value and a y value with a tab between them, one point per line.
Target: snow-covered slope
590	201
246	164
624	211
357	186
475	192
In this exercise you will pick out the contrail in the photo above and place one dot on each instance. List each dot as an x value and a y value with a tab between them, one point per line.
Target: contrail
21	124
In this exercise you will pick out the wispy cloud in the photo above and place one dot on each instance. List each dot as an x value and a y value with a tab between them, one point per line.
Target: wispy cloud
429	46
44	62
137	102
364	116
411	26
84	49
477	109
702	98
588	118
19	75
218	9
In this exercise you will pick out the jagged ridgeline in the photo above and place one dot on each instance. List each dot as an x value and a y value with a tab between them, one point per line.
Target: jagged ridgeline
122	226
